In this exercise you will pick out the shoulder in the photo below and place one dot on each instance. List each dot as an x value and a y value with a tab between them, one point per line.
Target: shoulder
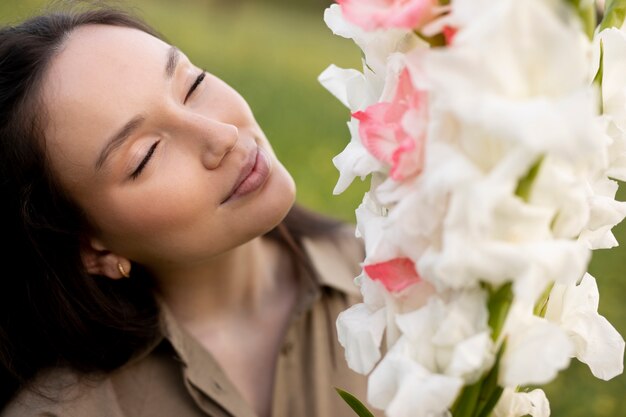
337	257
61	392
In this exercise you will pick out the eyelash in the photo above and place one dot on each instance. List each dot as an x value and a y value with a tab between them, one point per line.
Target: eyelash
146	159
195	85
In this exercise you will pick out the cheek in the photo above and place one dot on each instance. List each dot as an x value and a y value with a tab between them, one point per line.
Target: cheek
167	211
167	206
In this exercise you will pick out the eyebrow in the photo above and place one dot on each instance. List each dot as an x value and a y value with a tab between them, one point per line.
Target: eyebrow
173	56
118	139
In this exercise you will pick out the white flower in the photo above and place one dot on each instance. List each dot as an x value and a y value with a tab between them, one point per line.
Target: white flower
490	235
605	213
509	96
614	97
444	344
377	45
519	78
535	349
361	327
562	188
356	91
575	309
404	388
518	404
417	208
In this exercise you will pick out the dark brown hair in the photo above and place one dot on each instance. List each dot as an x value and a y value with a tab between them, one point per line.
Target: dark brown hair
52	313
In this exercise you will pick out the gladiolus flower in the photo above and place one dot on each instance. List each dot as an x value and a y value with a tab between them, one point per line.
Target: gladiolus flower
394	133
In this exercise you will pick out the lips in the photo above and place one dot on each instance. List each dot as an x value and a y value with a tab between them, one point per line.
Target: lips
253	175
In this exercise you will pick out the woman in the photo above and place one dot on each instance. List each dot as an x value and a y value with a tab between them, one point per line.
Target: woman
155	264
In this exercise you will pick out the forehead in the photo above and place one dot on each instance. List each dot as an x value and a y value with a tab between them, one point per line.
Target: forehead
98	61
102	76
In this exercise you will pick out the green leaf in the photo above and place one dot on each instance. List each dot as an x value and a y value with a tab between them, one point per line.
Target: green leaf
614	14
354	403
499	304
586	10
542	303
491	402
491	391
435	41
466	403
525	184
597	80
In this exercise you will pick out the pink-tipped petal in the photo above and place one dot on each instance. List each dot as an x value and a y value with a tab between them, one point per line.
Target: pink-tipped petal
395	274
377	134
407	160
384	14
449	33
383	128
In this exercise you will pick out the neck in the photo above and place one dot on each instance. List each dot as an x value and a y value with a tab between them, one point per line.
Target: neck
237	284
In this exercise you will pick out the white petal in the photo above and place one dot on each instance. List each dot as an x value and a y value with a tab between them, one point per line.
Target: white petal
471	357
373	293
424	397
536	350
377	45
518	404
597	344
614	96
360	332
371	226
339	82
403	388
354	161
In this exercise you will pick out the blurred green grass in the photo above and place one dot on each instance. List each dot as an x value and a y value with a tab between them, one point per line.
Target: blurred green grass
272	55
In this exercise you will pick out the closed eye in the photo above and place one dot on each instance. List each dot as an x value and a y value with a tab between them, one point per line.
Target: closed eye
195	85
145	160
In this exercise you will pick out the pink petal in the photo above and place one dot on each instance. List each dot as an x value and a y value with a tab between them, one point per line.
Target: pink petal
378	131
406	160
449	33
377	14
395	274
383	134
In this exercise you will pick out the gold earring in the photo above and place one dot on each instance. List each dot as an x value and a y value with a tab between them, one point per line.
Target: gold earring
122	270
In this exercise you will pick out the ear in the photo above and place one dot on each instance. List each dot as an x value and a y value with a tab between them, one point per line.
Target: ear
98	260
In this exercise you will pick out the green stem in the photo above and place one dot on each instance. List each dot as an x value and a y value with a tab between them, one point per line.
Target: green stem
499	305
491	402
480	398
491	391
597	80
466	404
525	184
614	14
542	304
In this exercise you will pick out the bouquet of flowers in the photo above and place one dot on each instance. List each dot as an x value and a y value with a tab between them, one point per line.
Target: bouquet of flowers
493	132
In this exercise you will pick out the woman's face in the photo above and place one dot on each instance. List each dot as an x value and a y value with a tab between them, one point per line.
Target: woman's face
151	148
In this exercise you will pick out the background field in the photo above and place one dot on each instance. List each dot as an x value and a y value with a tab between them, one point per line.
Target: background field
272	53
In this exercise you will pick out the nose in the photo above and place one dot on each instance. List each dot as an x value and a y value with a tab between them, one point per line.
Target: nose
214	138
